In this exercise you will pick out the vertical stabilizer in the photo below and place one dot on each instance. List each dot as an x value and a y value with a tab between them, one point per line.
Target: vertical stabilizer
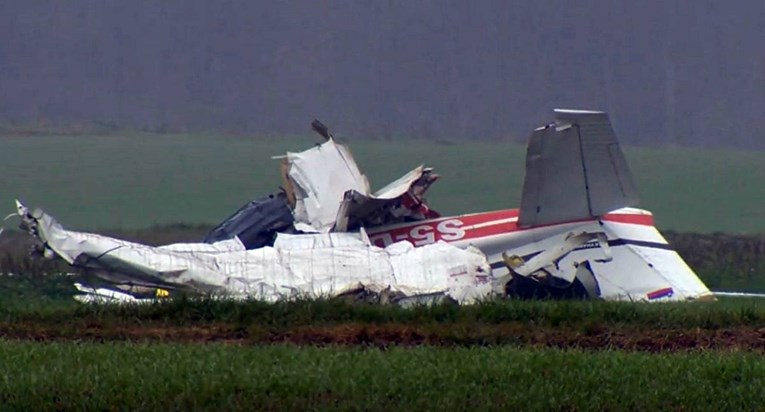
575	170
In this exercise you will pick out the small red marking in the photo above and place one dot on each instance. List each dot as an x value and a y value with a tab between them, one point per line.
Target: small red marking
660	293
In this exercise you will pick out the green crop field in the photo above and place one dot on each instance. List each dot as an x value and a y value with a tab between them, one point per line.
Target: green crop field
138	180
65	376
213	354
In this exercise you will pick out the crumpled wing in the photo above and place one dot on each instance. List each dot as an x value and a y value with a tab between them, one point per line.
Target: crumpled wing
308	265
255	223
121	260
575	170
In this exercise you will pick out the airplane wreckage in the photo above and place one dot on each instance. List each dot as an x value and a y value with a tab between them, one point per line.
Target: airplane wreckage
326	234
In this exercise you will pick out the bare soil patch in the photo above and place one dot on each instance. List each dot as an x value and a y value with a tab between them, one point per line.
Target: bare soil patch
741	338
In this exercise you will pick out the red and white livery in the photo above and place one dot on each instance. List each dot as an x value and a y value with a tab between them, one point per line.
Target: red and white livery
577	182
575	234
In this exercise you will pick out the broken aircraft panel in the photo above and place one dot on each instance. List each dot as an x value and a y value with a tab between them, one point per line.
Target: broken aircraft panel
324	190
400	201
320	176
332	194
256	223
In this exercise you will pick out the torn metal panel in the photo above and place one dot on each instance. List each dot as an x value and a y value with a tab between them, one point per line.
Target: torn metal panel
321	176
89	294
256	223
308	265
543	277
575	170
331	194
117	260
399	201
549	259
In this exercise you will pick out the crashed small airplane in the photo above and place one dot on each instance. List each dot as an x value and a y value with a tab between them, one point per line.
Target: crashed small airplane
576	235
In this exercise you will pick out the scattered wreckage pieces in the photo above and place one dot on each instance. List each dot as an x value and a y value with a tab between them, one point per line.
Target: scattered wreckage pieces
399	201
324	190
328	191
541	276
305	265
104	295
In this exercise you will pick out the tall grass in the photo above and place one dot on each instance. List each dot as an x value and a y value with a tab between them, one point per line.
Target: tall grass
288	314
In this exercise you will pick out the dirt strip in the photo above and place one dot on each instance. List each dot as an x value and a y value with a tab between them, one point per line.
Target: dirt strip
385	335
521	335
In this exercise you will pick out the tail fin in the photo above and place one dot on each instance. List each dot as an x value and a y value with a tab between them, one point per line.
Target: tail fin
575	170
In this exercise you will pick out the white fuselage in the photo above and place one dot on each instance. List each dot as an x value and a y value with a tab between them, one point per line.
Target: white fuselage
639	261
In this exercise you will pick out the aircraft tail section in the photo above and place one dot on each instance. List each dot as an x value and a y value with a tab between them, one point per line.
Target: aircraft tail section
575	170
645	266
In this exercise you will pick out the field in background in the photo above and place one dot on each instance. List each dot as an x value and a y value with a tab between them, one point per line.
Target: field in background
138	181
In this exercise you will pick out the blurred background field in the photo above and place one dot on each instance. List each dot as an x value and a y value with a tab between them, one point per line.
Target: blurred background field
130	181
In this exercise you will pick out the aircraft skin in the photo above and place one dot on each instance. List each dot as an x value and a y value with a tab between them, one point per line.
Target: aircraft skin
636	246
575	234
576	209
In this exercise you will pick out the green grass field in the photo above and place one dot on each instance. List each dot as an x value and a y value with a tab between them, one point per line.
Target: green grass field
65	376
136	181
332	355
493	356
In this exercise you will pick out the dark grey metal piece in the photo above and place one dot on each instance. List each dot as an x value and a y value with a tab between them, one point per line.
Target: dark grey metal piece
321	129
587	279
256	223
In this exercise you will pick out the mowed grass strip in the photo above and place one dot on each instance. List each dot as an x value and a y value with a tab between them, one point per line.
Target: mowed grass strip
70	376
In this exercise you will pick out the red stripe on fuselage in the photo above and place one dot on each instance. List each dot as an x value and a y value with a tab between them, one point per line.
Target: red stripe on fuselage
645	220
476	225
